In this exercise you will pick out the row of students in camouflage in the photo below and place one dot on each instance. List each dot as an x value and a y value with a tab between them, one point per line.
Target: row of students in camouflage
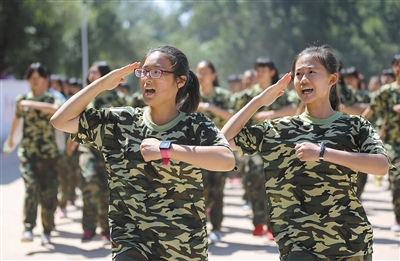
38	151
93	181
215	104
310	163
386	105
156	191
253	180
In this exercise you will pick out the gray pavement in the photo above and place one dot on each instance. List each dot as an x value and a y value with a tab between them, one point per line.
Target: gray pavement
238	243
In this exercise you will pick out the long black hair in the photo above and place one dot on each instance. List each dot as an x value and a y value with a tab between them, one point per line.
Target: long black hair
210	65
188	96
325	55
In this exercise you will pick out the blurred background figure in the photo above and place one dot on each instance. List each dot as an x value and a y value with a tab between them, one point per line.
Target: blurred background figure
38	151
387	76
215	104
234	83
249	78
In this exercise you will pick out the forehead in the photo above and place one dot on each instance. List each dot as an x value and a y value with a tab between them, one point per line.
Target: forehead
157	59
307	61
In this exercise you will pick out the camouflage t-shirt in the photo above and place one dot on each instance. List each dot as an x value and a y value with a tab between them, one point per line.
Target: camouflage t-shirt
221	99
347	95
136	100
313	205
106	99
156	209
382	104
38	135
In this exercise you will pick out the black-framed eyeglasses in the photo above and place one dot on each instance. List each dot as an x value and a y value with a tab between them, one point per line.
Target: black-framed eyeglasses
154	73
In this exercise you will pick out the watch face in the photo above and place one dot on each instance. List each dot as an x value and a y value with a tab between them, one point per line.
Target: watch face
165	145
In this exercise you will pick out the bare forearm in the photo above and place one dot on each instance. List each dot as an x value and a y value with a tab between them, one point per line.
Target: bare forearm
66	117
237	121
214	158
376	164
367	113
45	107
224	114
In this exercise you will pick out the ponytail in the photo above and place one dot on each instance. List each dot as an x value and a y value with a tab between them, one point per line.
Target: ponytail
334	97
188	96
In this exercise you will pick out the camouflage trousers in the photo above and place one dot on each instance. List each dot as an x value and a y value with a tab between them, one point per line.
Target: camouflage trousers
41	183
95	192
214	183
68	170
254	184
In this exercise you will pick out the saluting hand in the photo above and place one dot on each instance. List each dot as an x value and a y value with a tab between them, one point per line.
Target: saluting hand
269	95
117	76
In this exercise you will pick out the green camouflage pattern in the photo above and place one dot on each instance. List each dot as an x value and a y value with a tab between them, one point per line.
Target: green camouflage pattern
136	100
38	137
41	187
93	174
313	205
347	95
382	104
156	211
220	98
214	182
240	99
67	175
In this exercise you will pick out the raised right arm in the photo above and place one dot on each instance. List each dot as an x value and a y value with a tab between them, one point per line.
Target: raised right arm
66	118
268	96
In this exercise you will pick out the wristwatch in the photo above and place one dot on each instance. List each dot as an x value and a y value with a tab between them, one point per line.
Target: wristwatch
164	147
322	152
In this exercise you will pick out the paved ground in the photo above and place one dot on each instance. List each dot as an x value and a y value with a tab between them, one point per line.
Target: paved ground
237	241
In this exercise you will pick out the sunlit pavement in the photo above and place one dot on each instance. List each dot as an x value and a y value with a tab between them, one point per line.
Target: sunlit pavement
237	242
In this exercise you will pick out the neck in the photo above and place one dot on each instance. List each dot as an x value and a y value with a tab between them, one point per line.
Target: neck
319	111
37	91
207	90
162	116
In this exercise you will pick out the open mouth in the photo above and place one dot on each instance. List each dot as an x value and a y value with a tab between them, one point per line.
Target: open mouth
149	91
307	90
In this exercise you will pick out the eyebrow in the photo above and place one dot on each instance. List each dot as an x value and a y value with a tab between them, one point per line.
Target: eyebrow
306	67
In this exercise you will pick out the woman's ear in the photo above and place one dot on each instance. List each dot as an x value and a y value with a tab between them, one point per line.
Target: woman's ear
181	81
334	78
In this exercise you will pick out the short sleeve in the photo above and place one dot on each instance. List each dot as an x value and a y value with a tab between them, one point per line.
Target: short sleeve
91	127
207	133
250	139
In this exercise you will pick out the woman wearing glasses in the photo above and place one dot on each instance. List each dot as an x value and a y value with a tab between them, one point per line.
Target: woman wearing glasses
153	157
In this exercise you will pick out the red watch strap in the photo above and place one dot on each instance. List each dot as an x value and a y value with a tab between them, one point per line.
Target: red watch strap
164	155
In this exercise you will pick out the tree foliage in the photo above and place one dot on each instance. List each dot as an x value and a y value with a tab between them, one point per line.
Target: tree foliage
232	34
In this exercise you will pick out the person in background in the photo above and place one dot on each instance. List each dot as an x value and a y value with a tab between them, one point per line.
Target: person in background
387	76
124	87
154	157
249	78
234	83
38	151
310	163
267	74
386	105
93	181
69	163
215	104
